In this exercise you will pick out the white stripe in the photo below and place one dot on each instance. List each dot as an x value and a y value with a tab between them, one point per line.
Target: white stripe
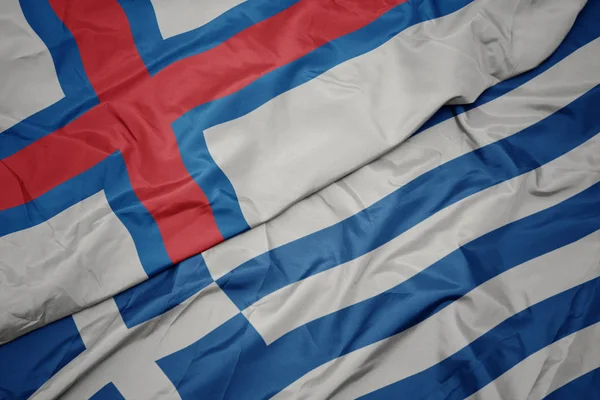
28	81
179	16
548	369
75	259
127	357
494	121
314	134
453	328
424	244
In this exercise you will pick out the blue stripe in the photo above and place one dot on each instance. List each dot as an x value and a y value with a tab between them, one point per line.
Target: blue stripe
585	387
158	53
207	174
503	347
234	362
110	175
164	291
62	47
28	362
189	129
108	392
79	94
415	202
136	218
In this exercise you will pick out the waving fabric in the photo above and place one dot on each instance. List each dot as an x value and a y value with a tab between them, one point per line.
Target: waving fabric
299	199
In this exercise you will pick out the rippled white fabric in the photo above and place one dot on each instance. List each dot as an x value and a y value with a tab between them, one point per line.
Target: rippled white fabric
315	134
179	16
501	118
77	258
28	81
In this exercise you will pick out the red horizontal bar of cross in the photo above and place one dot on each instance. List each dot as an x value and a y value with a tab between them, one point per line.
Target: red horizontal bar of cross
136	110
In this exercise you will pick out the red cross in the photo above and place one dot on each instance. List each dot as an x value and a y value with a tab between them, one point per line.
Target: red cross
136	110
